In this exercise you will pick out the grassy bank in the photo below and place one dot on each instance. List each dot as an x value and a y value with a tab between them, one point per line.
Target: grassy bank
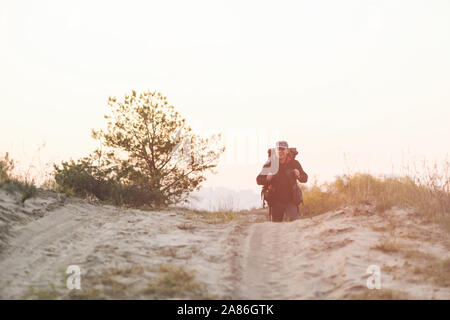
15	183
429	198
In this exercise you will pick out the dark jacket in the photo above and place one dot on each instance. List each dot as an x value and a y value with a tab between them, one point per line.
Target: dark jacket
283	180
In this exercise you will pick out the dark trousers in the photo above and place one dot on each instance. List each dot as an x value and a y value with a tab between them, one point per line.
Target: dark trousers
278	210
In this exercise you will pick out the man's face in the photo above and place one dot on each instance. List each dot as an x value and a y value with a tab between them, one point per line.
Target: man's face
281	153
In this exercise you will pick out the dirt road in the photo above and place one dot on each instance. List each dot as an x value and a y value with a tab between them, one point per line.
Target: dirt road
133	254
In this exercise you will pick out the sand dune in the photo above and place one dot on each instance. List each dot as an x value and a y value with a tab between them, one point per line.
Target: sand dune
122	251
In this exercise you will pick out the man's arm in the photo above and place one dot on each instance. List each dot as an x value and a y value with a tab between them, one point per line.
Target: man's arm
303	177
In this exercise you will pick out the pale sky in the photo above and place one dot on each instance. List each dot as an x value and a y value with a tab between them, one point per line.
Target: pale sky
369	79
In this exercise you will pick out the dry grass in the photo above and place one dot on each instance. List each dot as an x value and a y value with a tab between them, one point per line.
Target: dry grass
420	266
389	269
380	294
416	255
434	270
186	227
15	183
388	246
412	234
108	277
109	284
168	252
175	282
429	196
168	281
41	294
383	228
213	217
216	217
443	221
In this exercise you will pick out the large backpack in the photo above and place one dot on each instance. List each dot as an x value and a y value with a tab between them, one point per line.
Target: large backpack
268	190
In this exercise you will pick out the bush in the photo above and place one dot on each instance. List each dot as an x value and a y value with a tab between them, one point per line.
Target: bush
82	179
15	184
75	179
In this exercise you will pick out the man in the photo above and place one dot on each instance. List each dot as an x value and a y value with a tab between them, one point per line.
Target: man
282	179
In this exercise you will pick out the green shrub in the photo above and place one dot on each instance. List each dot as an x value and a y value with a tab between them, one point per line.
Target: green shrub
81	179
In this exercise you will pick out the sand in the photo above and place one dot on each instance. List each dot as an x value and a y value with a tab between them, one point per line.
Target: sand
120	251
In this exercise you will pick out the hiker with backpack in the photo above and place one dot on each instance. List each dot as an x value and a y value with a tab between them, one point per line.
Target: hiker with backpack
279	177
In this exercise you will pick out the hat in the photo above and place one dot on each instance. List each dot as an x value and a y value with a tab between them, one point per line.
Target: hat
282	144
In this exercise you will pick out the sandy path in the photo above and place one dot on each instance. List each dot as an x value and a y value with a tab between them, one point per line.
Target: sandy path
102	238
62	237
325	257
